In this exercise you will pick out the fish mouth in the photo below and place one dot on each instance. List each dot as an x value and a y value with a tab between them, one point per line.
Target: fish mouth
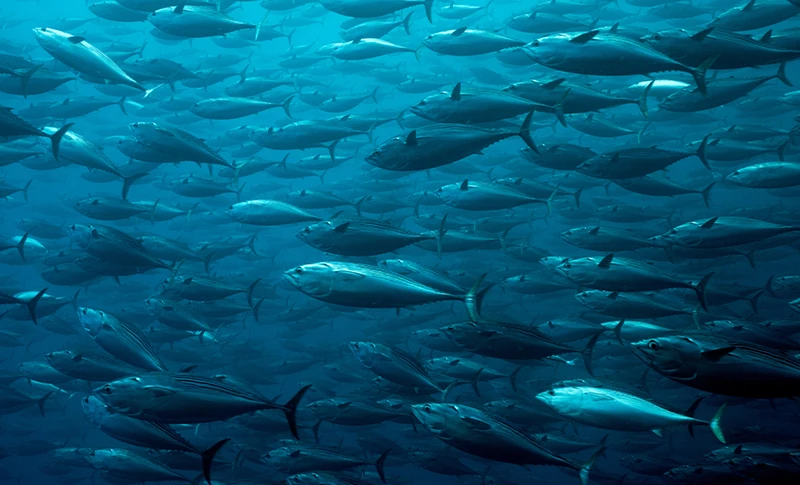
290	277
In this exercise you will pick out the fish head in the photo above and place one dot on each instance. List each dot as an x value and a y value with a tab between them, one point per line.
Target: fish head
433	107
155	306
366	352
316	234
463	334
566	401
435	416
280	458
62	359
144	132
549	50
81	234
450	421
594	299
50	39
95	410
667	40
394	154
551	262
315	279
674	356
93	321
310	478
395	265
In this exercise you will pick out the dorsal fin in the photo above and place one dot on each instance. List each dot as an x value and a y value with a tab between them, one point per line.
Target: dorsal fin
411	139
594	231
709	223
456	94
554	84
459	31
702	34
749	6
605	263
585	37
464	185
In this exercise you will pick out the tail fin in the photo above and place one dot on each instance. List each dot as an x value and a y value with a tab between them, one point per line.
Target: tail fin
642	102
209	455
716	424
128	181
699	74
781	74
706	192
31	304
55	138
588	353
374	95
525	133
21	244
256	307
770	286
250	290
513	378
701	152
474	298
25	78
380	462
428	10
406	23
753	299
121	104
700	289
42	401
577	195
690	412
586	468
440	235
286	104
475	380
290	409
25	189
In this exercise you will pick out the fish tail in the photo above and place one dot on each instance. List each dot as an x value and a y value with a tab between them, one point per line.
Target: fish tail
706	192
31	304
475	380
586	468
429	10
21	245
256	308
250	290
209	455
700	289
380	462
290	409
42	401
525	132
642	102
699	74
690	413
513	378
128	181
781	75
474	298
716	424
55	138
589	351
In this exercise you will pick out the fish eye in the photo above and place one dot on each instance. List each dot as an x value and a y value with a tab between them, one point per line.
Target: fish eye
535	43
439	190
107	389
423	103
307	230
567	265
298	270
657	36
427	408
652	345
551	392
84	311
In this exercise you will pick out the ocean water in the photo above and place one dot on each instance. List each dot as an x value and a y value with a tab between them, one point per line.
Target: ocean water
195	277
